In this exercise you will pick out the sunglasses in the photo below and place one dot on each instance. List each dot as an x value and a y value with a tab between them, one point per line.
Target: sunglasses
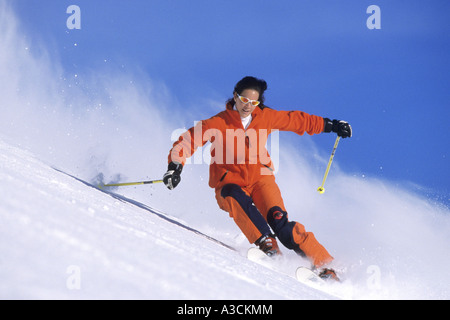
247	100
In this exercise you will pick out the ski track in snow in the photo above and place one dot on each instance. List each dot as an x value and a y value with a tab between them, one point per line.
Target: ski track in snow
53	224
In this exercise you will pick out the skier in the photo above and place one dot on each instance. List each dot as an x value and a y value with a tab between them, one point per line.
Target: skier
241	171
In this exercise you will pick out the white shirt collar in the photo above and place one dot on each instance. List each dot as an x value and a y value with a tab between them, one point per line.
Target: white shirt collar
246	121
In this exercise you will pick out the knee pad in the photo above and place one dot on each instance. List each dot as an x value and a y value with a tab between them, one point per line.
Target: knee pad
278	221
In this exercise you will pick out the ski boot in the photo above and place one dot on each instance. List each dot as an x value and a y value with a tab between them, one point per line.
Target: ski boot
328	274
268	244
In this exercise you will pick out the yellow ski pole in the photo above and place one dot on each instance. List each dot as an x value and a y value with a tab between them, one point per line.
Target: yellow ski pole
321	189
129	183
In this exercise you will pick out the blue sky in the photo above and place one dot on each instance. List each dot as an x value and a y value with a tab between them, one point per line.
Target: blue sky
391	84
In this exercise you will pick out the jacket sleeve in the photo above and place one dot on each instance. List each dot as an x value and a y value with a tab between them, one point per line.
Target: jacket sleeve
296	121
188	143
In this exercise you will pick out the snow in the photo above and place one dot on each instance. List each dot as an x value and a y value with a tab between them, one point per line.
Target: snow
63	239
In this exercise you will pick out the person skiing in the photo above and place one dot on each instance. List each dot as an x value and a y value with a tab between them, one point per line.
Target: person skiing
241	171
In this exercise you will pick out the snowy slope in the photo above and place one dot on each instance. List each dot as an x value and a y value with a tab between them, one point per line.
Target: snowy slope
117	123
62	239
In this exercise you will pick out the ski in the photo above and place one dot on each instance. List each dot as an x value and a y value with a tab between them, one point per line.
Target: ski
256	255
307	276
303	275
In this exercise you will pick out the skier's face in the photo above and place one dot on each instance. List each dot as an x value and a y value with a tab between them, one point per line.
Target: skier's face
246	109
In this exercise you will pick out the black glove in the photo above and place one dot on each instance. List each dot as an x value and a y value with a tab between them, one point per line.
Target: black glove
342	128
173	175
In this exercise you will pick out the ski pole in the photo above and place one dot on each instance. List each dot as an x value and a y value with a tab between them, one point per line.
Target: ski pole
129	183
321	189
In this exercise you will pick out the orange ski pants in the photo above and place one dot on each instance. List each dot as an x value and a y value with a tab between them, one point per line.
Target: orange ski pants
259	207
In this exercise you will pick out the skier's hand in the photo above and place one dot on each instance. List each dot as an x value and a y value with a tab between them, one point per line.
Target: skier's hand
173	175
342	128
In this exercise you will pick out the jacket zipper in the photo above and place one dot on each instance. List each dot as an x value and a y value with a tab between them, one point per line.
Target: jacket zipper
224	175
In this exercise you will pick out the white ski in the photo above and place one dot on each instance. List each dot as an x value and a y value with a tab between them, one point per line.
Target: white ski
307	276
303	275
256	255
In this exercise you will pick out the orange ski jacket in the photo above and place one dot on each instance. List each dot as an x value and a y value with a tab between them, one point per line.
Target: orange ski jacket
240	156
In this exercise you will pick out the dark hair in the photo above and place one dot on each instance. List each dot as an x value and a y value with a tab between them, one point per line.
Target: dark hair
249	83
